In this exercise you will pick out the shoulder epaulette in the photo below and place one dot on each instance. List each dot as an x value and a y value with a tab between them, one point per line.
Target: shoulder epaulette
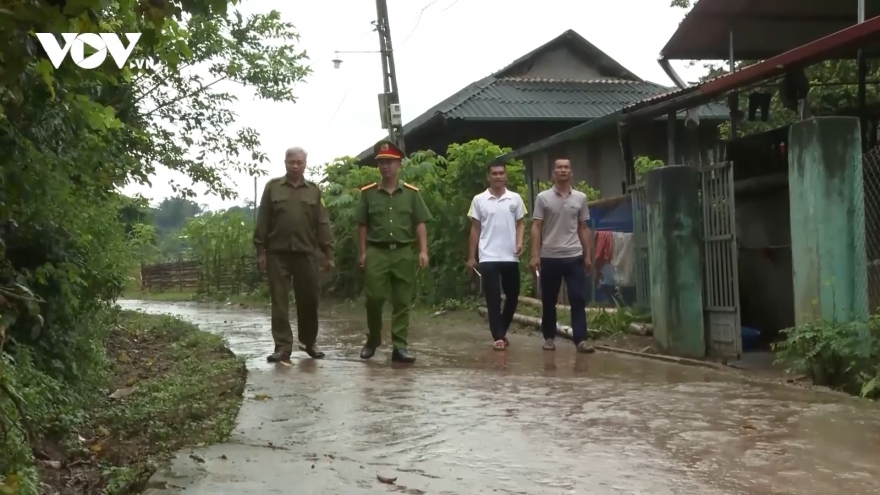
364	188
410	186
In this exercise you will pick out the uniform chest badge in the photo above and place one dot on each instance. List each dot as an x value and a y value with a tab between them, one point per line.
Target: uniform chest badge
512	207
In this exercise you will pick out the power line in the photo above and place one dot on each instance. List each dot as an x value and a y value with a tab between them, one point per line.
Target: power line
338	107
418	20
450	6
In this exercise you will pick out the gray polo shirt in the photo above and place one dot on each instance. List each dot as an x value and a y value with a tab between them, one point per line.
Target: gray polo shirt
561	214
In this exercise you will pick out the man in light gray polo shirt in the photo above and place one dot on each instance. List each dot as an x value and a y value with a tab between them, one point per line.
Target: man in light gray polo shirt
561	251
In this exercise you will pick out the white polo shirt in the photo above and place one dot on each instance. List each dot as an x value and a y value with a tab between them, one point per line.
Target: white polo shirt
497	217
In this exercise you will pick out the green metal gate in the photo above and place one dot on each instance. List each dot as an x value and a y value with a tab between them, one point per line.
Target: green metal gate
640	233
720	253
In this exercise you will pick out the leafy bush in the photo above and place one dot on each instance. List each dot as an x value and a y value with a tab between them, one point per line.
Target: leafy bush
844	356
69	139
448	185
222	242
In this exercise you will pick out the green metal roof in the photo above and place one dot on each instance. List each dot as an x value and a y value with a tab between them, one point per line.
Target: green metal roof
504	96
524	100
513	99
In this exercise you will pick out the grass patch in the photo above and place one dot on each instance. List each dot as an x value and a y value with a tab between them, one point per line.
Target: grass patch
171	386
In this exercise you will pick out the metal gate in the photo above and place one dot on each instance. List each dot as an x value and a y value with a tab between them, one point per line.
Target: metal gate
720	274
640	233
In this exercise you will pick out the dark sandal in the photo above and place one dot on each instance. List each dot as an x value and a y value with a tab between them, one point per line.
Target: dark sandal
312	352
585	348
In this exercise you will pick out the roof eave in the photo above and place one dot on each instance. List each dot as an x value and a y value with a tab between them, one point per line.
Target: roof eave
799	57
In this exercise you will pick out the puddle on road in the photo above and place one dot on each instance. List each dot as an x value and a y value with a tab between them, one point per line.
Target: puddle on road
527	421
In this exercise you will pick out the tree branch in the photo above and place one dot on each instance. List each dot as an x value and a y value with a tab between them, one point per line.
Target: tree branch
175	100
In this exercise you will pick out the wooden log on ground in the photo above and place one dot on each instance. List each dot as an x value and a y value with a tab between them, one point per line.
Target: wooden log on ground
565	332
643	329
561	330
536	303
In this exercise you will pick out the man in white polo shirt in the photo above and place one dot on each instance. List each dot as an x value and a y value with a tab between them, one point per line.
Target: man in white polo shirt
561	250
497	228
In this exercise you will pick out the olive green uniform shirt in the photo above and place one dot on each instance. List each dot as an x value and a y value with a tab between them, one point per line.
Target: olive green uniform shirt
391	217
292	218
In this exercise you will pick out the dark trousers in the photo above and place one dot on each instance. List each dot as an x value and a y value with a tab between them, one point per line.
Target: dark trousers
298	271
498	275
553	272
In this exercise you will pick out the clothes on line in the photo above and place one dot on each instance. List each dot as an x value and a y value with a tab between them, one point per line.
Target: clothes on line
614	258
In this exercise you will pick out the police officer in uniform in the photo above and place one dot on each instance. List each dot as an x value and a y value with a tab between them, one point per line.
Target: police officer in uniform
292	225
391	223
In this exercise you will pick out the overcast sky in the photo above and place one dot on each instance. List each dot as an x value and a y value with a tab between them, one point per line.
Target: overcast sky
440	46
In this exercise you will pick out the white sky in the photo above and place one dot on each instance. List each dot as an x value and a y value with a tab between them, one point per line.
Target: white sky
438	51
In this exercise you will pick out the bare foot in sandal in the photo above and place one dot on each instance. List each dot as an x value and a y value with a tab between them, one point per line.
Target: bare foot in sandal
585	348
499	345
549	345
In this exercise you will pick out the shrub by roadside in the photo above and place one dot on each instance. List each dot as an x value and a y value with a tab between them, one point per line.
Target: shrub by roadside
843	356
169	386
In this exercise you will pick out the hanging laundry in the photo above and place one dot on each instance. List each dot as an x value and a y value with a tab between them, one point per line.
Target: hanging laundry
623	259
602	257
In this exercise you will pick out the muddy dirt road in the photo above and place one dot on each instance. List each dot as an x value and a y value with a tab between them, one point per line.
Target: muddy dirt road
466	420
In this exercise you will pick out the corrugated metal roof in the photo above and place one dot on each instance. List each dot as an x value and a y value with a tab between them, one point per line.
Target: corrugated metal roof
797	58
558	99
761	29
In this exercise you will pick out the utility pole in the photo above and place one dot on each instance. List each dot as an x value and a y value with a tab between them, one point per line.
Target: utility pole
389	102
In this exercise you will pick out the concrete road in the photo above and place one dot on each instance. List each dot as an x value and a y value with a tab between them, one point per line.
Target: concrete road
467	420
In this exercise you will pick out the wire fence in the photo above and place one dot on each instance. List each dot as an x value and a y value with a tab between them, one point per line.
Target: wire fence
871	211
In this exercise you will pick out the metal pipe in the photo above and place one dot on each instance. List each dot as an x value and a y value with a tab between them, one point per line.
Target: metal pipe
732	127
667	68
862	95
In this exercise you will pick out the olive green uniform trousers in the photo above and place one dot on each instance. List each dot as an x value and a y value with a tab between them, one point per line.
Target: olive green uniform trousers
390	273
299	270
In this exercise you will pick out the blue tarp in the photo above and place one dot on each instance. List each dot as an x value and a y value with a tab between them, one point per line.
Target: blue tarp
615	217
611	216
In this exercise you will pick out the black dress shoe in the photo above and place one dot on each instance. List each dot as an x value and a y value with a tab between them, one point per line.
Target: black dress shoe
402	356
279	357
368	352
313	352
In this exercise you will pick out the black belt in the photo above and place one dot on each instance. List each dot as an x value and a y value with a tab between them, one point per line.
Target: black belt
390	245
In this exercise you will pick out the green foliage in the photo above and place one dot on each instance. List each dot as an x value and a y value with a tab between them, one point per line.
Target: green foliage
643	165
448	185
833	91
582	186
223	244
845	356
69	138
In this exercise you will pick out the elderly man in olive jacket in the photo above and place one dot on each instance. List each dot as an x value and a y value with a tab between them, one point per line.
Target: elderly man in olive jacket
292	226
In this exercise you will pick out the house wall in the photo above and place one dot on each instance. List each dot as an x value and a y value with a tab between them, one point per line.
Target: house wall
599	159
512	135
559	63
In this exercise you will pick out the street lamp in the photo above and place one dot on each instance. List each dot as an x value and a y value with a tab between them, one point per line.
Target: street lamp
338	61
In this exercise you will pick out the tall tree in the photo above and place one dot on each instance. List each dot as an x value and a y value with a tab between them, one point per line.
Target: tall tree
69	137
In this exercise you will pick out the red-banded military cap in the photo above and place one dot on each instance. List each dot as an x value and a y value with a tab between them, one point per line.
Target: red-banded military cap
387	150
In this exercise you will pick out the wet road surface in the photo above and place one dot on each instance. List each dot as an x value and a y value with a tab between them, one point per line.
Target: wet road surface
466	420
